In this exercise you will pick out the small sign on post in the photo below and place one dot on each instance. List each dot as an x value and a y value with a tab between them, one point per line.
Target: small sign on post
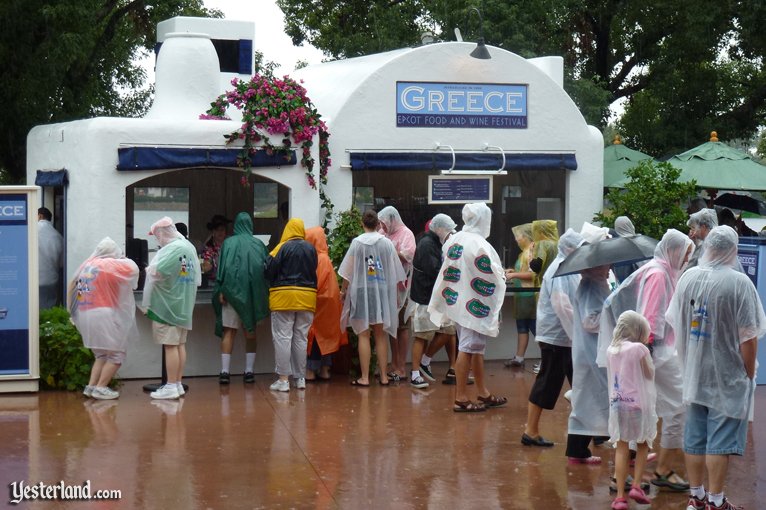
19	317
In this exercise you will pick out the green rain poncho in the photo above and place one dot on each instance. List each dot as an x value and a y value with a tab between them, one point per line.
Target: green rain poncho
240	276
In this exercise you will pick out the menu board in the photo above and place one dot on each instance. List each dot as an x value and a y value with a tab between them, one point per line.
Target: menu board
449	189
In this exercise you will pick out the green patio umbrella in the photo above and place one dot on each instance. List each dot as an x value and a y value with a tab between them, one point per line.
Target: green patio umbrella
716	165
617	160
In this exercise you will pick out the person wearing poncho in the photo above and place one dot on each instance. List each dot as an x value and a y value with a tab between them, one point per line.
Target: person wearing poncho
291	269
524	303
103	309
170	293
469	292
717	317
648	291
554	335
325	336
372	276
241	293
545	236
403	239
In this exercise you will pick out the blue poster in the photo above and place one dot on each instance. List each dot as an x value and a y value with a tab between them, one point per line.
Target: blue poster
14	285
749	263
461	105
459	190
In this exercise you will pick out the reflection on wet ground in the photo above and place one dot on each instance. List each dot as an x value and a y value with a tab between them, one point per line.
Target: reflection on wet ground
330	446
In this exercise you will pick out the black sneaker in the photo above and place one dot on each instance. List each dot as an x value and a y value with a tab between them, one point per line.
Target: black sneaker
249	377
449	378
426	371
223	378
418	382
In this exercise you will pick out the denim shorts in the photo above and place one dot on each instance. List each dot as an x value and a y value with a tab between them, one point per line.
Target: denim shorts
525	325
710	432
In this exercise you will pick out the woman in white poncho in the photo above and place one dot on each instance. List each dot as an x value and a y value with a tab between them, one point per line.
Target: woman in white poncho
372	274
717	317
469	292
648	291
102	307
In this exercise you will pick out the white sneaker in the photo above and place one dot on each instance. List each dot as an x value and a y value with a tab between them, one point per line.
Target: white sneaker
280	385
568	395
104	393
88	391
300	383
181	390
165	392
536	368
418	383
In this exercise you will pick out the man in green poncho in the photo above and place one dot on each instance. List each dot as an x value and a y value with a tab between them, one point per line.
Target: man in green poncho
241	294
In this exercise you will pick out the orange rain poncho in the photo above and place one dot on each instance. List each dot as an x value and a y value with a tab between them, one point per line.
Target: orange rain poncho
326	326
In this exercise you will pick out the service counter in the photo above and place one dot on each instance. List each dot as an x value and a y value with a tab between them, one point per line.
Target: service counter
203	354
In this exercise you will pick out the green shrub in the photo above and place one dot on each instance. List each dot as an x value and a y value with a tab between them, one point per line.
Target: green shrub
64	362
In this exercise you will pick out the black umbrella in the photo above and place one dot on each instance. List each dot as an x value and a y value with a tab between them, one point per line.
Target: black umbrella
616	251
741	202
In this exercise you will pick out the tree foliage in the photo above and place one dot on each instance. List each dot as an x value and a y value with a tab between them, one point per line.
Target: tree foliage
652	199
683	68
70	59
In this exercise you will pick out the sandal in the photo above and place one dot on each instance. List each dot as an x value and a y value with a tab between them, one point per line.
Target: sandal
356	383
664	481
628	484
592	461
468	407
493	401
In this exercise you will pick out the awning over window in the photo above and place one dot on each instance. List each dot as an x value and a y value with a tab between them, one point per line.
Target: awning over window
54	178
176	158
463	161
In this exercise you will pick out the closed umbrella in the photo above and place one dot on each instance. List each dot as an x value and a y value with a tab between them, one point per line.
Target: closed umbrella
618	159
716	165
615	251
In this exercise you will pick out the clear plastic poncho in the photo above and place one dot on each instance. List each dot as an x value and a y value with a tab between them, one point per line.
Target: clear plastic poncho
442	225
470	288
172	277
624	227
375	275
554	303
648	291
101	301
632	394
714	310
404	243
590	396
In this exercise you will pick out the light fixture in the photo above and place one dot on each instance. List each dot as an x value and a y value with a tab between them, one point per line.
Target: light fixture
481	51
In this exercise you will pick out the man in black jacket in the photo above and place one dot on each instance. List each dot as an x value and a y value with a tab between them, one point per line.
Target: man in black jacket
426	266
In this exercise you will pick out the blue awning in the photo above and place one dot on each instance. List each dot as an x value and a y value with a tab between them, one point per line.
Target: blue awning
54	178
176	158
463	161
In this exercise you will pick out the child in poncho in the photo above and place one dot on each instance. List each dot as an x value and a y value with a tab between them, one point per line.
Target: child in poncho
632	398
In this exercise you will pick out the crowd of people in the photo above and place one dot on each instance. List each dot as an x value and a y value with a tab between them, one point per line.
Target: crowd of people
671	340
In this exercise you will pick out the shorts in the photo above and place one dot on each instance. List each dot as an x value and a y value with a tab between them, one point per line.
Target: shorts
114	357
556	364
710	432
470	341
525	326
424	328
166	334
229	317
404	324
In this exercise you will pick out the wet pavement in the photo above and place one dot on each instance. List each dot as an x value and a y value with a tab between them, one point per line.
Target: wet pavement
330	446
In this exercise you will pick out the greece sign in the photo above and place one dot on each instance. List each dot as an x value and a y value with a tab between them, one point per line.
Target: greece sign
461	105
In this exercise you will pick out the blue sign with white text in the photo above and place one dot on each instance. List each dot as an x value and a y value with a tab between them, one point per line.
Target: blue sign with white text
14	285
466	105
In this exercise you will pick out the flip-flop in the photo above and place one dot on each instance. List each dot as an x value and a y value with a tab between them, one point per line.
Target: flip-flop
356	383
387	383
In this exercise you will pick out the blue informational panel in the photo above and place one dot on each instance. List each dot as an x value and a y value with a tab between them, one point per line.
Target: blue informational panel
459	189
461	105
14	284
752	255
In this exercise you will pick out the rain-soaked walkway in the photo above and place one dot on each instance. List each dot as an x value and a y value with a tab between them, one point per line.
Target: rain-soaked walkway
330	446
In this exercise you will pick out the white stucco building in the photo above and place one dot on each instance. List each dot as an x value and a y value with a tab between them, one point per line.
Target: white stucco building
424	129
